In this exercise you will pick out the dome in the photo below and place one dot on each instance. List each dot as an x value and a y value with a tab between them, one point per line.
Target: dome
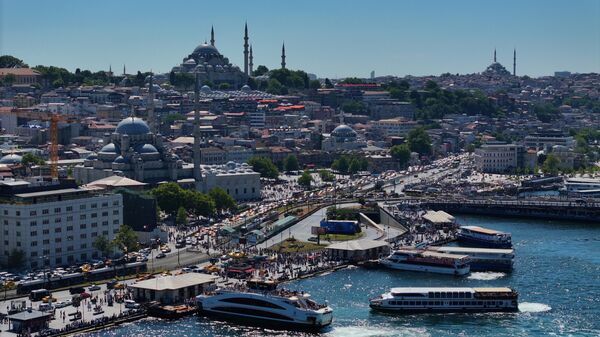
110	148
206	50
246	88
119	160
92	156
132	126
205	88
146	148
11	159
190	61
343	131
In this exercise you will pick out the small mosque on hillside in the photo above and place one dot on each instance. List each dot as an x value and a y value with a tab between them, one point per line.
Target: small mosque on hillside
342	138
498	70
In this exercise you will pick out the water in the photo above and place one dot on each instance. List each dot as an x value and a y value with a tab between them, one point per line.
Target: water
557	273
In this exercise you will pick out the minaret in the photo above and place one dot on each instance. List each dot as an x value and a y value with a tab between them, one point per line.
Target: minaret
212	36
250	61
124	73
515	62
246	49
494	55
283	56
150	105
197	170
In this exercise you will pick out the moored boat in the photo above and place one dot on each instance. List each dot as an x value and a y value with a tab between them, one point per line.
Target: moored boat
262	303
413	259
482	259
429	300
484	237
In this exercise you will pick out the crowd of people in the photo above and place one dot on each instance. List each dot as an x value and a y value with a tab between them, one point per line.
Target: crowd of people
94	323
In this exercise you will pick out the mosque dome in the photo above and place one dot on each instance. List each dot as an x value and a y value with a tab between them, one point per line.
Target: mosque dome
146	148
132	126
119	160
246	88
92	156
205	88
11	159
190	61
343	131
109	148
206	50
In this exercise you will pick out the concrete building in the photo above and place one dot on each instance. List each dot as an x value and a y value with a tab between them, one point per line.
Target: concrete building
358	250
174	289
21	75
499	158
546	140
393	127
55	225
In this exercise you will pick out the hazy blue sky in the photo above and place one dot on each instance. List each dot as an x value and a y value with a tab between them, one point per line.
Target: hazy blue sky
328	38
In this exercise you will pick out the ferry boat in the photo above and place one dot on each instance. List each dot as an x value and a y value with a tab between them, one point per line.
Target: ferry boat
482	259
427	261
262	303
430	300
484	237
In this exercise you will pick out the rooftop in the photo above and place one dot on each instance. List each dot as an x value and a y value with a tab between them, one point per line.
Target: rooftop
358	245
174	282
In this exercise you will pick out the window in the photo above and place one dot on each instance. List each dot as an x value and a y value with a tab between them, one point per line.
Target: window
94	215
70	248
33	223
253	312
18	213
31	213
82	217
81	206
59	250
69	208
33	243
69	228
83	236
57	220
5	212
116	212
18	223
57	210
33	254
105	233
82	226
94	224
115	222
70	218
45	211
94	205
57	240
104	223
46	242
105	204
104	213
46	231
33	233
58	260
45	221
57	230
83	246
115	203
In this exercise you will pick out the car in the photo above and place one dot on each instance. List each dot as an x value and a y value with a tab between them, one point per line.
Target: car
85	295
119	286
61	304
94	287
161	255
48	299
45	307
130	304
76	290
165	250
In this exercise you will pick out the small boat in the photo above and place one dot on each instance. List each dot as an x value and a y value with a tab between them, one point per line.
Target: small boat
413	259
430	300
262	303
484	237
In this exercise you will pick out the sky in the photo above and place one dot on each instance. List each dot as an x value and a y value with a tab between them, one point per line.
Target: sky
332	39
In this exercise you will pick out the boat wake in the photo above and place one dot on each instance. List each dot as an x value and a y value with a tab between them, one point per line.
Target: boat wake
370	331
534	307
486	276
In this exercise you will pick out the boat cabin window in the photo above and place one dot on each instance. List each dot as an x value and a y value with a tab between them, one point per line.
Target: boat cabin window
431	294
467	295
252	302
437	295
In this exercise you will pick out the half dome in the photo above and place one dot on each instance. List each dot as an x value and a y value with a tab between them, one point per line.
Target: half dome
132	126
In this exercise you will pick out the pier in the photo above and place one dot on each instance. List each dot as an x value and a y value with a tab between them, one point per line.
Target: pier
550	209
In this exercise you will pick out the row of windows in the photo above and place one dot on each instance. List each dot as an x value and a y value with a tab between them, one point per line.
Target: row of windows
59	240
438	303
58	229
454	294
67	209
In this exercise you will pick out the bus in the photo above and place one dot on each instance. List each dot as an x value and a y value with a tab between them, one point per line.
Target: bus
38	294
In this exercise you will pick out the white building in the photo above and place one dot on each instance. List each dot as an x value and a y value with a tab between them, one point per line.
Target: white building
57	227
393	127
499	158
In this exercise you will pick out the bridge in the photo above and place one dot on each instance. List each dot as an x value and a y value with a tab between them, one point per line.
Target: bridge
552	209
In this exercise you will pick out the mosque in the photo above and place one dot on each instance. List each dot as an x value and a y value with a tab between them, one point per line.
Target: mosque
135	152
498	70
342	138
212	66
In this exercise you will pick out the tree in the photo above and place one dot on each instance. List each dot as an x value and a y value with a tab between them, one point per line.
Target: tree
546	112
224	86
31	159
401	153
199	203
550	165
328	84
8	61
315	84
16	258
260	70
326	175
352	80
222	200
126	239
264	166
341	165
169	197
182	218
103	245
9	80
171	118
355	166
290	163
305	179
419	141
275	87
353	107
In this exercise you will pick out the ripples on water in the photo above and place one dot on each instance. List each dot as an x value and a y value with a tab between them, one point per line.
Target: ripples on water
557	275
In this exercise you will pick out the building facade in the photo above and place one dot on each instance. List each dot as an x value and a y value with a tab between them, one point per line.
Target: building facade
58	227
499	158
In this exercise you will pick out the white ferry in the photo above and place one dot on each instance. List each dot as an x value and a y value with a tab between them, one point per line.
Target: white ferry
482	259
484	237
261	303
427	261
424	300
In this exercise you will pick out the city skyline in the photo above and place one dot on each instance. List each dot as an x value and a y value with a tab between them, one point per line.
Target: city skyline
391	38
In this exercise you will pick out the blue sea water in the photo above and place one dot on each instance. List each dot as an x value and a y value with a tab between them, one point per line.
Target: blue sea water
557	274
